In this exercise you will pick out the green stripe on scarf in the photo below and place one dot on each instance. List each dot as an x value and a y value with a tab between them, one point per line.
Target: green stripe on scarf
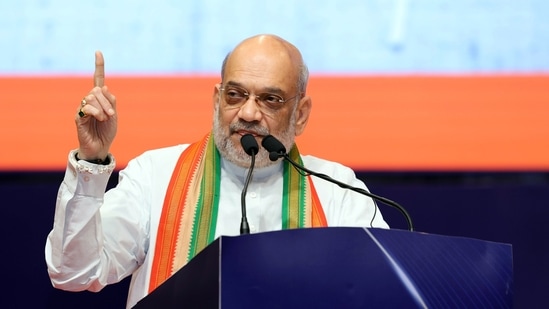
293	201
205	219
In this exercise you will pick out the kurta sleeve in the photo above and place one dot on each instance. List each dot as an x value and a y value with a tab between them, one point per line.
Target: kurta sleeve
97	238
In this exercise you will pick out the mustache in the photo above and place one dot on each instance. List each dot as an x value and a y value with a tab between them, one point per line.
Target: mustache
248	126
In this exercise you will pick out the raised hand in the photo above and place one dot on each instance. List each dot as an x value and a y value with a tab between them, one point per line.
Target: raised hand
96	117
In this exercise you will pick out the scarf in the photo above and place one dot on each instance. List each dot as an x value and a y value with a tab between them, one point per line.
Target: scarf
189	214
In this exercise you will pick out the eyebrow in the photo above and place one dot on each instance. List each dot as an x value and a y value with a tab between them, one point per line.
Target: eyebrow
274	90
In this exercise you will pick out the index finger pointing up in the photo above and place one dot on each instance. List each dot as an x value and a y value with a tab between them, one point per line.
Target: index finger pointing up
99	74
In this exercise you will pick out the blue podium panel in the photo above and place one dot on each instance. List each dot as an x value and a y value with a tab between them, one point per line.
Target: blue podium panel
342	267
307	268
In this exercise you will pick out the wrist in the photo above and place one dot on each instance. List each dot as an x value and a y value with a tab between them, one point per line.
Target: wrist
102	161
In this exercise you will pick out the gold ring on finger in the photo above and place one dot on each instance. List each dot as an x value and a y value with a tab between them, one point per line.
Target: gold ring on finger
81	113
83	102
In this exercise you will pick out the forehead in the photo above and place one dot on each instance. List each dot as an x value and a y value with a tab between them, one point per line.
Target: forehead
262	67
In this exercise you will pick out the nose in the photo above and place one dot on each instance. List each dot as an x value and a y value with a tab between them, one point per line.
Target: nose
250	111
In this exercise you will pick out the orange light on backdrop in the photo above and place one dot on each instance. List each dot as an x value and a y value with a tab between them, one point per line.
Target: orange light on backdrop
368	123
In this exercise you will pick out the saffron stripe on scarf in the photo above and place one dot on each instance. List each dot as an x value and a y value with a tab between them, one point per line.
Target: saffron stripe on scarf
183	175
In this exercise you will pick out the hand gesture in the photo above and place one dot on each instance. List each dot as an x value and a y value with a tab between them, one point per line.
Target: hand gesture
96	118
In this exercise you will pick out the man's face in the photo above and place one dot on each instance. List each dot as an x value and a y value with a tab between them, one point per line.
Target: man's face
251	117
246	103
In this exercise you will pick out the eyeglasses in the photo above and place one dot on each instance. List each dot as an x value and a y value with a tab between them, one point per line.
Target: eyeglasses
237	96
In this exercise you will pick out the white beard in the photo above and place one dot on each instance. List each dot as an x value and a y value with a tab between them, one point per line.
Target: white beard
235	153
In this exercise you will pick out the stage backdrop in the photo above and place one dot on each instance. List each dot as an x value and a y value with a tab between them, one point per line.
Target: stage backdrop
396	85
374	123
440	105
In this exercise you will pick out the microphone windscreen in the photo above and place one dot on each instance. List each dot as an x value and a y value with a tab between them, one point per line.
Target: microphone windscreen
273	156
270	143
249	144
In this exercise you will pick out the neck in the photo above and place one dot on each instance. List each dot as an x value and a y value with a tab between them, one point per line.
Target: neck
259	172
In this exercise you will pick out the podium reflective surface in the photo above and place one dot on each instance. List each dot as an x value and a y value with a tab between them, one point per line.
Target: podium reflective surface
341	267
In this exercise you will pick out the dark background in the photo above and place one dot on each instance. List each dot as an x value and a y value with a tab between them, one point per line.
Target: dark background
508	207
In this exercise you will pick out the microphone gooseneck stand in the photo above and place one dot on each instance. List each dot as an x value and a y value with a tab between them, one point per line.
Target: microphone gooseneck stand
277	150
251	147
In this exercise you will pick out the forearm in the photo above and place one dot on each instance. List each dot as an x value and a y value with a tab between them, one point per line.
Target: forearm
75	244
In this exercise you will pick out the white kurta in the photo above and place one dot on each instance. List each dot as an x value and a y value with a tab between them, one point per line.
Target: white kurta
100	238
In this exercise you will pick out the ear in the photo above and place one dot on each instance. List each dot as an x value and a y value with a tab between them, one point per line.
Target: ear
302	114
216	96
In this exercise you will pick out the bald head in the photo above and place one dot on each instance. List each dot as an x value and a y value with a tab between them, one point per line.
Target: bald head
262	92
268	54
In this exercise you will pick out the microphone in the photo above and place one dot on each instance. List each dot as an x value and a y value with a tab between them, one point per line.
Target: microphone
277	150
250	146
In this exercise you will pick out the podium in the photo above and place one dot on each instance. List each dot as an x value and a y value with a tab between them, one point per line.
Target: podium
342	267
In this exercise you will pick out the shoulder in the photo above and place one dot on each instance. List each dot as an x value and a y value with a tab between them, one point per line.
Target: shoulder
327	167
170	151
159	157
